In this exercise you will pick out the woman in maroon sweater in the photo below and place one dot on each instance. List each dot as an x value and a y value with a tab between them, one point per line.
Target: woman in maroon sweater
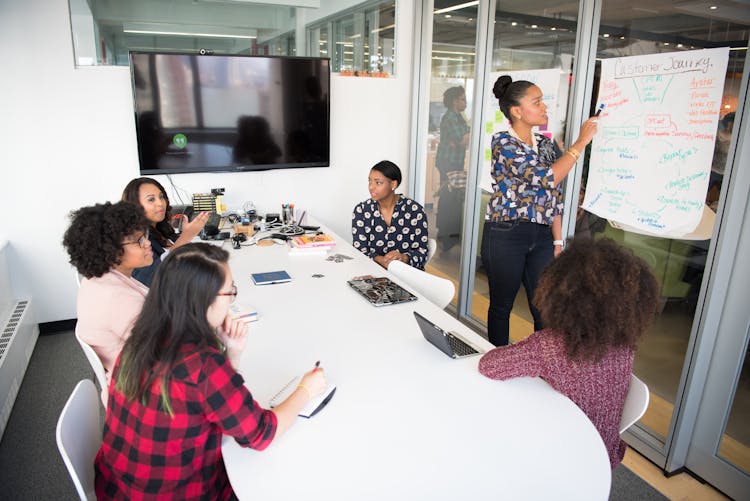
597	299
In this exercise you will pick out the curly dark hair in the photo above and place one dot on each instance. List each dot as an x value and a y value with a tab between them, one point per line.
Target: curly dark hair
164	231
450	95
94	238
600	295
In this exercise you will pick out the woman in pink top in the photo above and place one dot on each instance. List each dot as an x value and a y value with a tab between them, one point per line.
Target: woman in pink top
597	299
106	242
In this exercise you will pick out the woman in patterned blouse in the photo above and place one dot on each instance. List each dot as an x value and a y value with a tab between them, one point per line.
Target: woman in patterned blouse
597	299
176	390
388	226
522	229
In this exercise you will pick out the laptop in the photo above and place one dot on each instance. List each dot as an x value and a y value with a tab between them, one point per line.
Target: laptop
381	291
447	342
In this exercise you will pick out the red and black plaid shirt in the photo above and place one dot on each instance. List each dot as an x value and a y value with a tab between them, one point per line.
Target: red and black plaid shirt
146	453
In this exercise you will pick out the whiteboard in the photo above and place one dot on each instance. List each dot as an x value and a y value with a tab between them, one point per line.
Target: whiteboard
650	162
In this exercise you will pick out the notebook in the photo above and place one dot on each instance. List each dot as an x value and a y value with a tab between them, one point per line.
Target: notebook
447	342
313	406
271	277
381	291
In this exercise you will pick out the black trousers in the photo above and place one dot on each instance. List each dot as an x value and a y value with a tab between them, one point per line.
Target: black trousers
513	252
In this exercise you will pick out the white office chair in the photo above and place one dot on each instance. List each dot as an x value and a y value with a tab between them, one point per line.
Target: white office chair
431	248
636	403
97	365
436	289
79	435
78	276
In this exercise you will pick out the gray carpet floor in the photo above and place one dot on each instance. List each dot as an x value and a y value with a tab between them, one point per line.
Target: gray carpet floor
31	467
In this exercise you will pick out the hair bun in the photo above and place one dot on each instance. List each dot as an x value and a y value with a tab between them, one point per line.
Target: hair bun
501	85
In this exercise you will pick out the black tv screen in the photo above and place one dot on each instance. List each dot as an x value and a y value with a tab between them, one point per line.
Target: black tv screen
203	113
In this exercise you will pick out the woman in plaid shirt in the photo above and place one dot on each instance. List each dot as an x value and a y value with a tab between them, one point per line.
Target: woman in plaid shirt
175	389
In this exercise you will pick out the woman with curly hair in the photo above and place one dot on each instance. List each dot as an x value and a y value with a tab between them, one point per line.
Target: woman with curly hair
106	242
150	195
596	299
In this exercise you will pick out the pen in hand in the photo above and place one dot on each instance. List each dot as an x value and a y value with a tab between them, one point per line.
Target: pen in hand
599	111
317	364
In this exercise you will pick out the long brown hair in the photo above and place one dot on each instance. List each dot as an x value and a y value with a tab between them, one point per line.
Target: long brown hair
174	314
164	231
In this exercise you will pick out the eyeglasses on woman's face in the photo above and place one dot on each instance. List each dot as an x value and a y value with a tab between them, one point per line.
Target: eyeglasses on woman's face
143	241
232	293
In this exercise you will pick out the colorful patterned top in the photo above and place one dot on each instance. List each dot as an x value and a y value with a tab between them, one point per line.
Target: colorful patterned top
522	180
597	388
146	453
406	234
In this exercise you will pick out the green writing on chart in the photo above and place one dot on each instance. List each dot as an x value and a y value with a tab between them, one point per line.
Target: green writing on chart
677	155
628	132
179	140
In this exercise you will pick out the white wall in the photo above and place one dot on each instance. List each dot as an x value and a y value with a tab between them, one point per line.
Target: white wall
67	139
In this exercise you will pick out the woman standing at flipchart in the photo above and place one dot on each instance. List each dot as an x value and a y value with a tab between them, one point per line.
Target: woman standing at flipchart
522	229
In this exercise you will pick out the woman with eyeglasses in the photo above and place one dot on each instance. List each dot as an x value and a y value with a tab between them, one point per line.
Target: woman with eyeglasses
176	389
106	242
150	195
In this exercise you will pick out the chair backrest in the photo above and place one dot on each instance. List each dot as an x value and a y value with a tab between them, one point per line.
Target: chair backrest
436	289
79	435
431	248
636	403
96	364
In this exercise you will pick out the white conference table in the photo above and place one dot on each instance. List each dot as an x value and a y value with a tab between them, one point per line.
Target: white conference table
406	422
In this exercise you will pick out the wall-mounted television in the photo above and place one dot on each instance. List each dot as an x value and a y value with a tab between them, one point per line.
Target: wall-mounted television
207	113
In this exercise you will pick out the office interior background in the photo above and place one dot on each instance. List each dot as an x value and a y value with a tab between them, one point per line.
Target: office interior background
68	140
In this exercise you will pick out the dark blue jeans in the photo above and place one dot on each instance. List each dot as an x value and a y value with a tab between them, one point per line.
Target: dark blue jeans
513	252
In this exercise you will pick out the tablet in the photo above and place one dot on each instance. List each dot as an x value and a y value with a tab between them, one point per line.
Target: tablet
271	277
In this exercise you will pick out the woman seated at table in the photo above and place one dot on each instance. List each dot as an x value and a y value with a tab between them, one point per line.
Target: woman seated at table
597	299
388	226
106	242
150	195
176	388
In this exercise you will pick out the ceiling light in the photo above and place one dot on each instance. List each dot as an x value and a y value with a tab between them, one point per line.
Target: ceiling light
606	35
448	16
622	38
514	23
383	28
553	28
666	43
713	7
533	25
456	7
187	34
679	45
185	30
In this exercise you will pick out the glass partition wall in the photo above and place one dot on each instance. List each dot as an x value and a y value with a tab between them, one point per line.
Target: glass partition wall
680	264
470	45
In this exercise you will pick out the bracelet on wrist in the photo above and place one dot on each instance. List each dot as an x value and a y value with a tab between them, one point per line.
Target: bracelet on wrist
309	393
561	243
573	153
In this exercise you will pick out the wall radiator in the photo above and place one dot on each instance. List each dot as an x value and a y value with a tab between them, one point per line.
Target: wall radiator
18	334
17	340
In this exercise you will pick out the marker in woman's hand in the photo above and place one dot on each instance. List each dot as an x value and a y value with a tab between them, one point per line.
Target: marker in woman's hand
317	364
598	112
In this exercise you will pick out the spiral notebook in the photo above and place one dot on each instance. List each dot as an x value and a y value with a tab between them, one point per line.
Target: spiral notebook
313	406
